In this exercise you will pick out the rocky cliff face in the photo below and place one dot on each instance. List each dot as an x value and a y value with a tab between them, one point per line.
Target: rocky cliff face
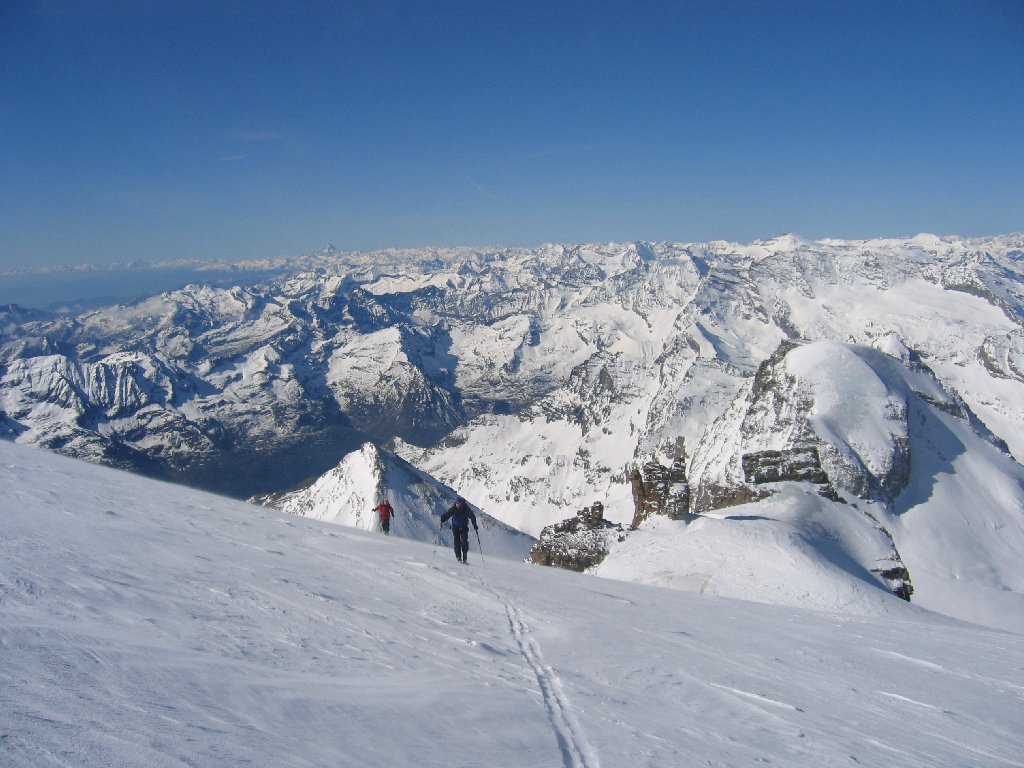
839	418
660	490
775	431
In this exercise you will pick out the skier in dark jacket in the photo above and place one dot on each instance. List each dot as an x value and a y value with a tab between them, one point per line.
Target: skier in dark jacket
386	513
461	516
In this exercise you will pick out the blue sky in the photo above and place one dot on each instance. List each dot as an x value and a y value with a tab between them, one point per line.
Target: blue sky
157	129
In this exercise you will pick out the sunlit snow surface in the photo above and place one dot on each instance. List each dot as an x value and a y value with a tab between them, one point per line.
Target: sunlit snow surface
149	625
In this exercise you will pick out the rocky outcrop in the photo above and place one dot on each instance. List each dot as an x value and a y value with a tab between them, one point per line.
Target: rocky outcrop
660	490
579	542
718	496
788	427
797	464
1003	355
803	420
897	577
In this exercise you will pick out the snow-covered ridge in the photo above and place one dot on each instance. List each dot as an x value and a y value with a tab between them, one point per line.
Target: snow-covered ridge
347	495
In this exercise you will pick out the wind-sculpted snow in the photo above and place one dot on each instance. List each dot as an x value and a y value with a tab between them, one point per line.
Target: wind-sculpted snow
147	624
794	548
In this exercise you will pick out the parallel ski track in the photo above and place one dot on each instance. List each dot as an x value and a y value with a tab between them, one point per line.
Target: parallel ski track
576	750
572	743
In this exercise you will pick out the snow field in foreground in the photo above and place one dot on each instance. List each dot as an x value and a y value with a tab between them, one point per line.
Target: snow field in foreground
146	624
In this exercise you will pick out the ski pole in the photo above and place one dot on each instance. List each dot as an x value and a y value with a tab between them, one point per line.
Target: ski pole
437	539
477	532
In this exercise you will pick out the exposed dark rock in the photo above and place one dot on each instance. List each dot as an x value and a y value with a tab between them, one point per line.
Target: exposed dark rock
579	542
797	464
763	467
714	496
893	570
777	405
660	490
898	578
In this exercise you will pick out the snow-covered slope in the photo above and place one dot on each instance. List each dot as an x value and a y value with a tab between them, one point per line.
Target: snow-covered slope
146	624
795	548
348	493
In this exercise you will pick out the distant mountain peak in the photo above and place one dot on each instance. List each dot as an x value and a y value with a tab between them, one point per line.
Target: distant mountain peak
789	241
349	494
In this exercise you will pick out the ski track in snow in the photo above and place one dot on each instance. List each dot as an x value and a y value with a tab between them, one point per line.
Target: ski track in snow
576	750
572	742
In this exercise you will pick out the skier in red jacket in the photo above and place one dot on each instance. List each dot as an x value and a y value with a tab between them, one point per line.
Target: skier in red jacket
386	513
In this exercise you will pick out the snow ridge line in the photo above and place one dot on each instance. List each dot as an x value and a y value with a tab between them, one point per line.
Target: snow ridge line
576	751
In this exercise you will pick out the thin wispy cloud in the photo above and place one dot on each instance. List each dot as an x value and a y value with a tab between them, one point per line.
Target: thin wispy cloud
232	158
478	186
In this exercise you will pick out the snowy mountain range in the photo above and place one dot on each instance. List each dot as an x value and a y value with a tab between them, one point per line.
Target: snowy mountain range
144	624
856	406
